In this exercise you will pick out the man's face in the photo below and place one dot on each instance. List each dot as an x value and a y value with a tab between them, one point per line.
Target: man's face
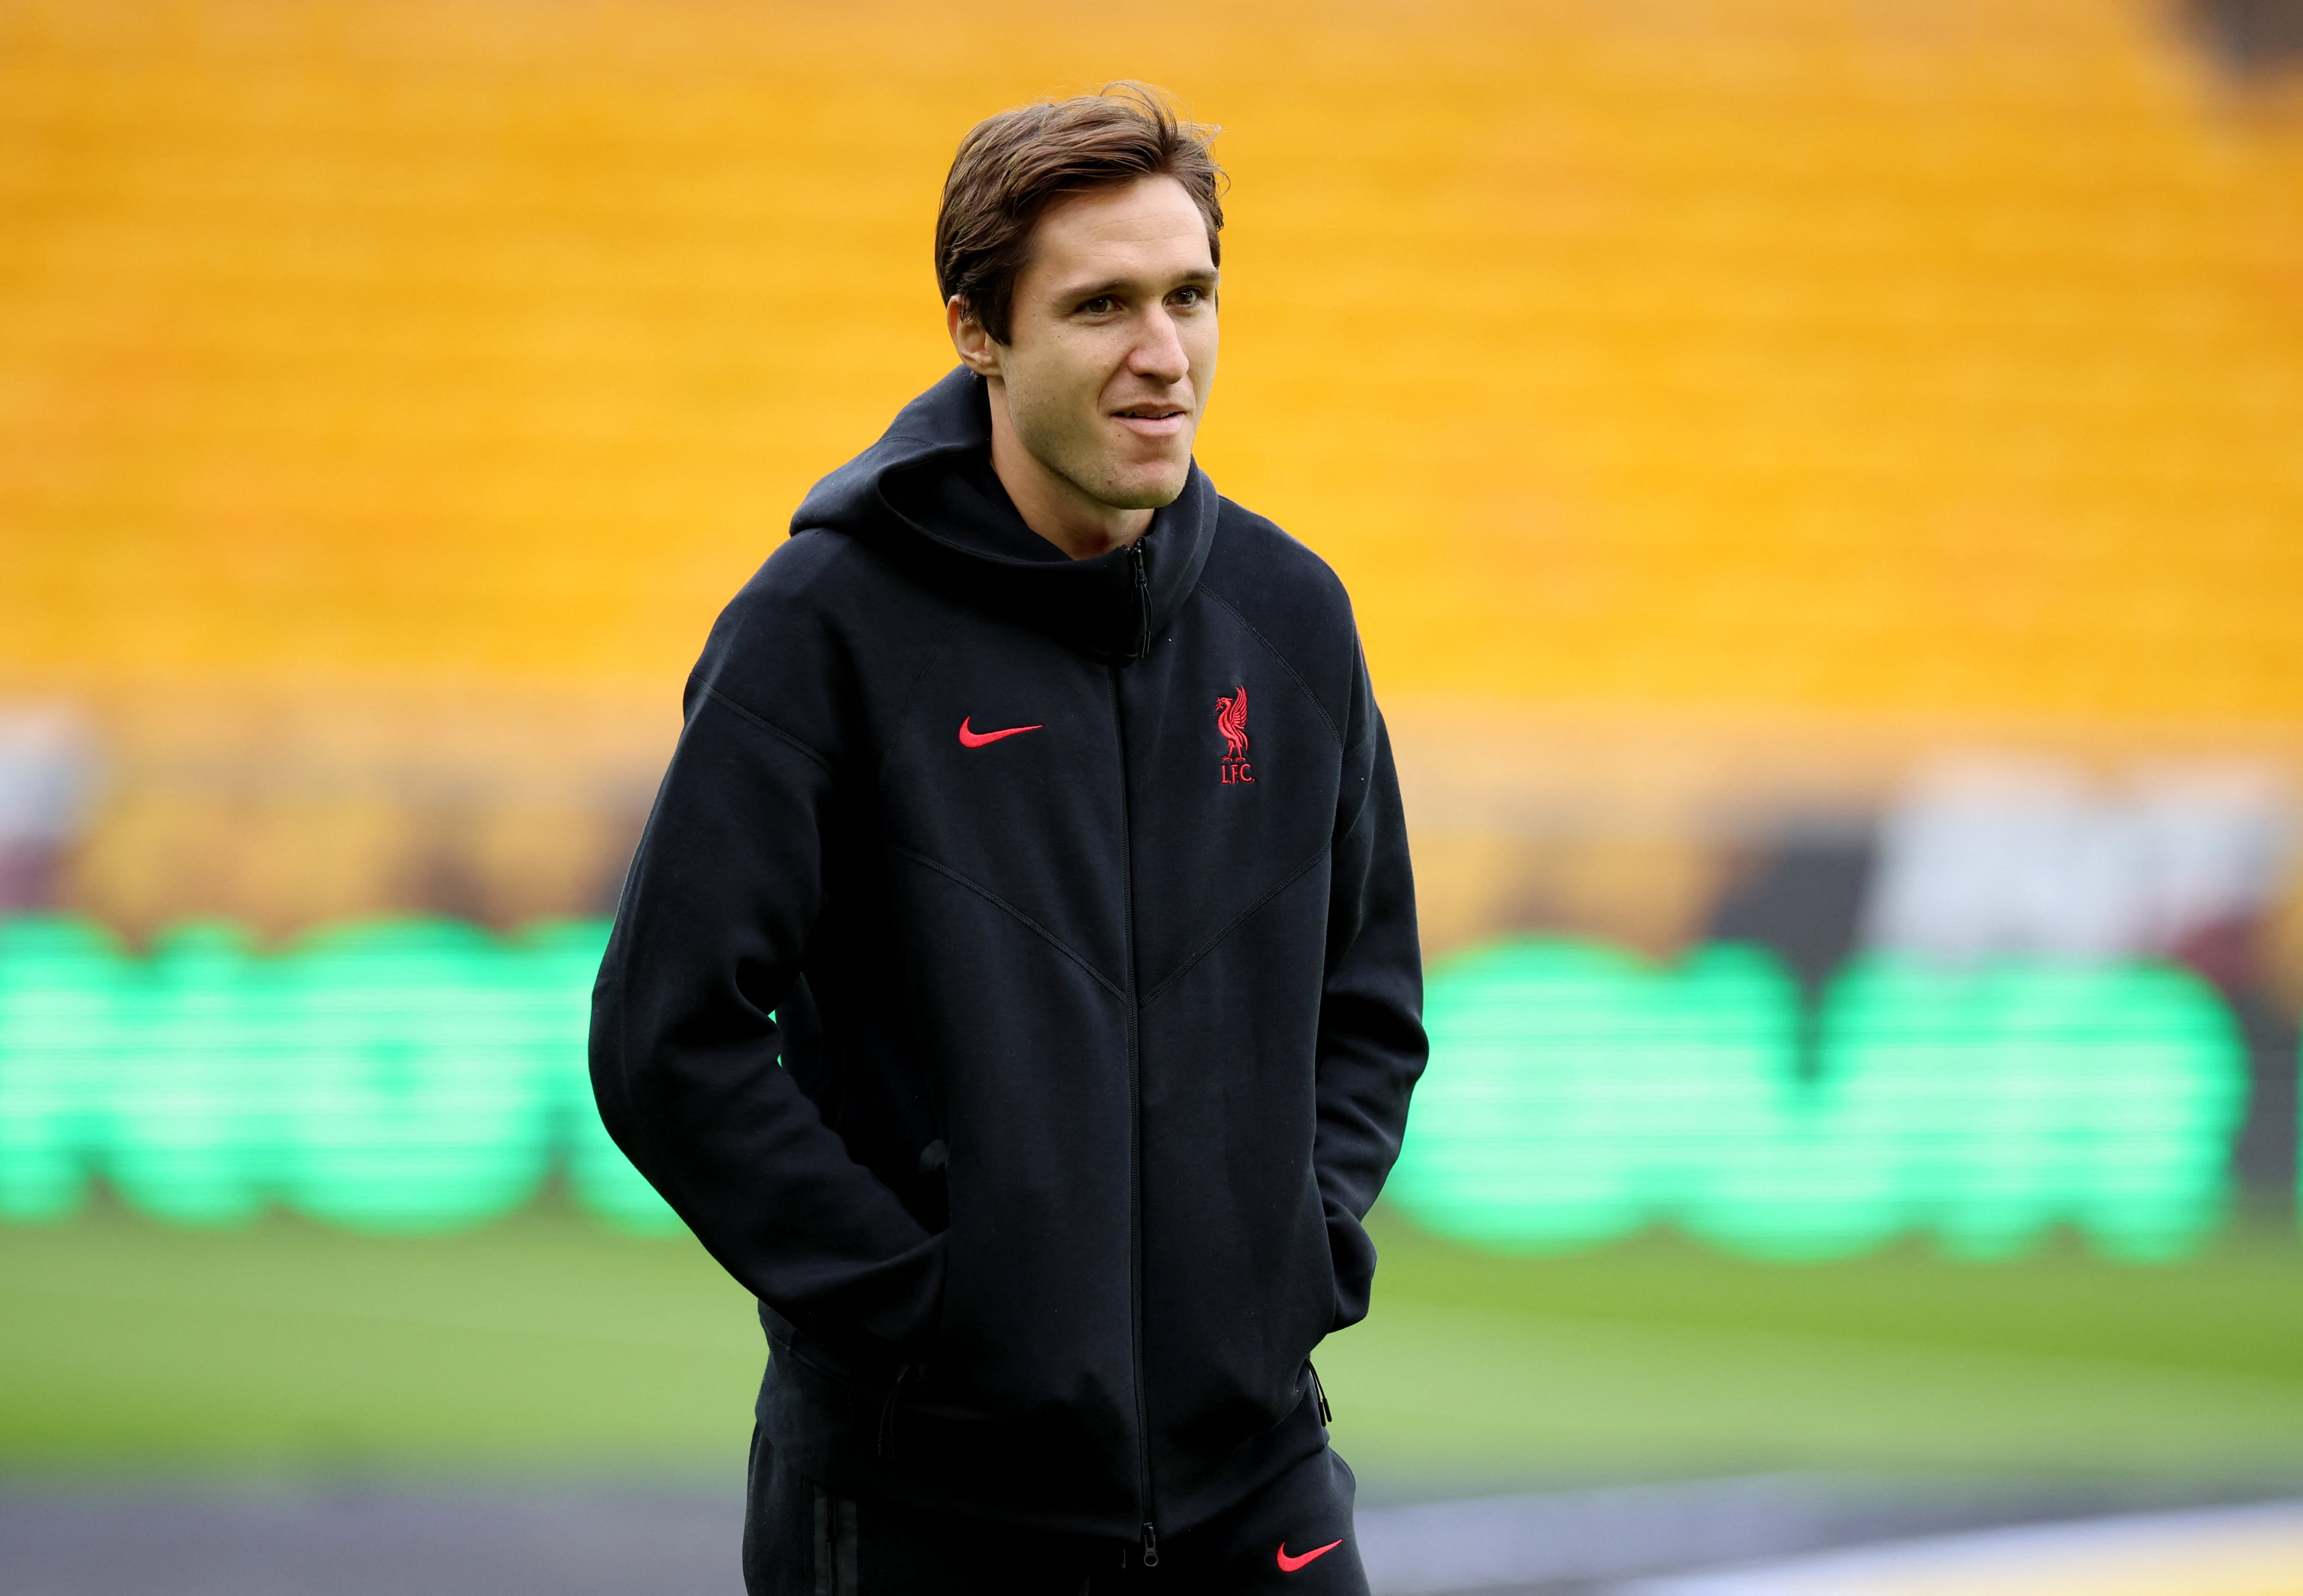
1113	341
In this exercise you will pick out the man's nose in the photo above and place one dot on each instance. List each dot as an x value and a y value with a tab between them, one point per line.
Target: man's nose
1158	352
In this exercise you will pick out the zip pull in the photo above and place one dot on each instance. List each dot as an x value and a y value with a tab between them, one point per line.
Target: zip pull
1321	1391
1151	1547
888	1409
1142	601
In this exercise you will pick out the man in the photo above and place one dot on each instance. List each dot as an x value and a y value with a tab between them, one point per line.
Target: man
1016	988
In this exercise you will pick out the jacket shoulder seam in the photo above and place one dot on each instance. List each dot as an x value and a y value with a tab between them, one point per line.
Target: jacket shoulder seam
1234	924
1286	663
1029	924
768	726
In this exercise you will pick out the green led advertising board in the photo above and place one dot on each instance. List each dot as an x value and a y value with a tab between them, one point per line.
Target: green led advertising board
405	1076
422	1075
1576	1095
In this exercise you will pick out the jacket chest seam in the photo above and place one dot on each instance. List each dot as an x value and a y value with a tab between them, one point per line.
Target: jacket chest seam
1020	918
1193	959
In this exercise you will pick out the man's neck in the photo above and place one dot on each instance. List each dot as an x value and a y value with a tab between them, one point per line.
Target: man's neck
1052	506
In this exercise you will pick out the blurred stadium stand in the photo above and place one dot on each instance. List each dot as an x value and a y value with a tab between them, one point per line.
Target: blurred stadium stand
1820	488
45	774
2253	36
1734	423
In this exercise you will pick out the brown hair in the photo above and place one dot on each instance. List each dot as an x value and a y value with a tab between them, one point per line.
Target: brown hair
1012	166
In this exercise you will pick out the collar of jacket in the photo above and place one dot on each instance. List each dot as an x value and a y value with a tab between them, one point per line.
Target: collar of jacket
924	496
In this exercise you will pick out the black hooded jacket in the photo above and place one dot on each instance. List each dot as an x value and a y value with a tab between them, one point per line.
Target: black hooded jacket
1016	990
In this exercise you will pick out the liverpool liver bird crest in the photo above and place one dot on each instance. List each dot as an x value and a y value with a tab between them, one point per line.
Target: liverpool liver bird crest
1231	720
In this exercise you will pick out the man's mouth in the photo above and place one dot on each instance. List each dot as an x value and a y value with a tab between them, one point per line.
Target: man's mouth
1154	418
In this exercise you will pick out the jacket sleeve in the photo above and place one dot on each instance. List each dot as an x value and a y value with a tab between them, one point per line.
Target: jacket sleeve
1371	1043
716	919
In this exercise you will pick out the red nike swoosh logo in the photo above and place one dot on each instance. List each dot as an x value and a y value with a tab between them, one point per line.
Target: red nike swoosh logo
1288	1564
976	740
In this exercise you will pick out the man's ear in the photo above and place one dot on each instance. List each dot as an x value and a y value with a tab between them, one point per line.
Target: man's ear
978	350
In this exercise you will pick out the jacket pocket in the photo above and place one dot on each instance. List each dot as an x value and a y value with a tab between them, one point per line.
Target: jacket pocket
1351	1269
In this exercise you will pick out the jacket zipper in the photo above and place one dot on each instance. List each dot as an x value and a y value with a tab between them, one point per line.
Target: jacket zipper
1151	1536
1142	601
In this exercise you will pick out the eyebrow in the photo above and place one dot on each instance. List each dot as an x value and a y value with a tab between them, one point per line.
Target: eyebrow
1206	279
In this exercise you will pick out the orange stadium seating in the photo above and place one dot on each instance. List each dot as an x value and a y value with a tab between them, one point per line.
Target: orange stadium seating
374	370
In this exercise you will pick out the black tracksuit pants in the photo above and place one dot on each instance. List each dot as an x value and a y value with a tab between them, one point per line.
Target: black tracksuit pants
1293	1536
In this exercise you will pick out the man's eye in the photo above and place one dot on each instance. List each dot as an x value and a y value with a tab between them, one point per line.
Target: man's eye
1102	304
1190	295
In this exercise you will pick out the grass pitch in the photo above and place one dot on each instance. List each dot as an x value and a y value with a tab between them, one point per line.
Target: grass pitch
542	1345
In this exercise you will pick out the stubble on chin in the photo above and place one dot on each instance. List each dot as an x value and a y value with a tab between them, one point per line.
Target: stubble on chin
1139	493
1119	488
1150	486
1156	494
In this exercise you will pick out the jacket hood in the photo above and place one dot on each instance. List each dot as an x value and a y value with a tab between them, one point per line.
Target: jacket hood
925	497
